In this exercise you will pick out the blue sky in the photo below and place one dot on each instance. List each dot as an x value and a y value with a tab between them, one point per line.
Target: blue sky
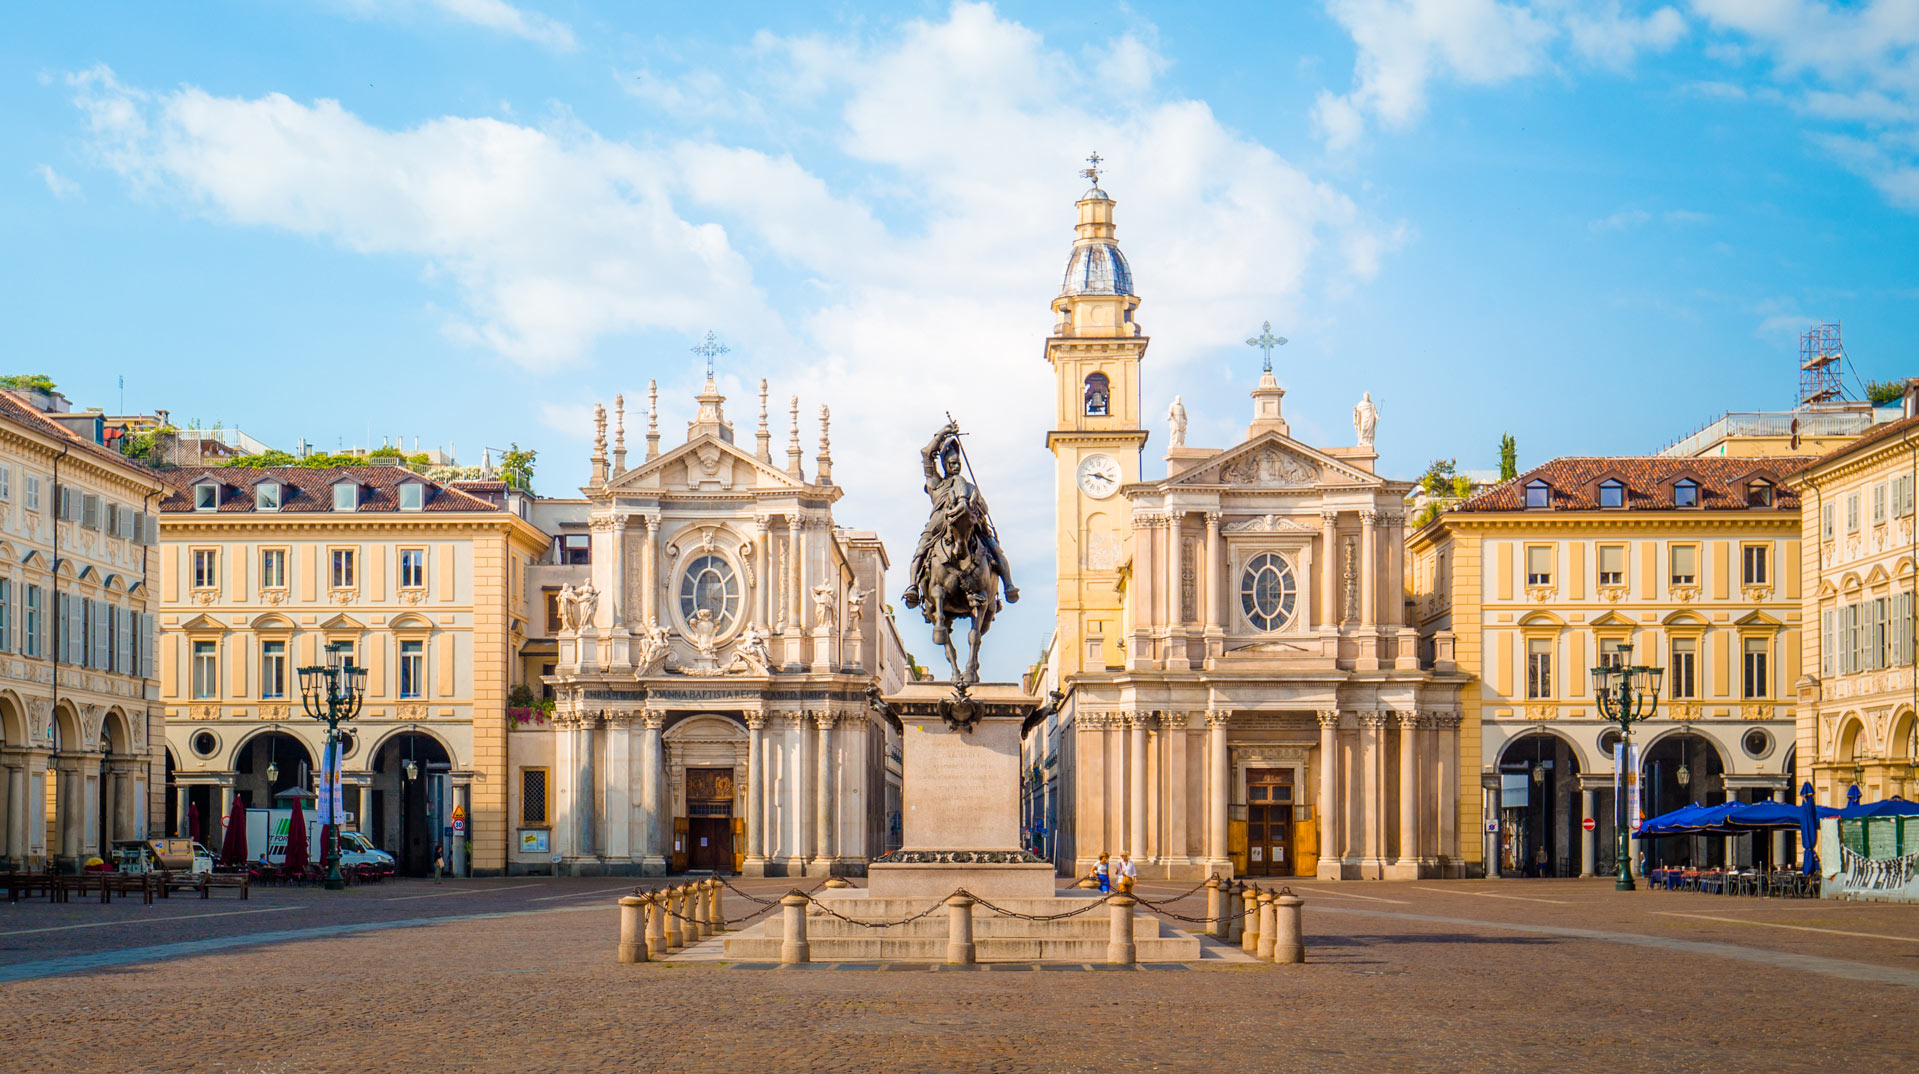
1591	225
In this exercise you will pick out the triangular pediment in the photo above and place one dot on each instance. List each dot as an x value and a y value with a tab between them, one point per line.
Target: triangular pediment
705	461
1271	460
1612	620
342	624
201	624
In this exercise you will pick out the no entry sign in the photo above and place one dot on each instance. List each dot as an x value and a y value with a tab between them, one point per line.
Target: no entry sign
1589	824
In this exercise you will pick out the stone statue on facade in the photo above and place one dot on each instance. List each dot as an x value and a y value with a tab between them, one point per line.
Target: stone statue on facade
823	606
752	656
655	647
586	601
856	606
1176	422
958	569
1365	419
569	609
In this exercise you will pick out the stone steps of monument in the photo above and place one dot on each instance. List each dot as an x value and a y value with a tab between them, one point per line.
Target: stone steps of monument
1091	926
895	909
887	948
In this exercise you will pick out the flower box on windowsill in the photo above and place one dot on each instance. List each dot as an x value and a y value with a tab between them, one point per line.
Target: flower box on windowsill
530	716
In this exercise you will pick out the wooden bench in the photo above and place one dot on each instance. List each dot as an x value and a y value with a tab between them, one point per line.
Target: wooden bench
209	881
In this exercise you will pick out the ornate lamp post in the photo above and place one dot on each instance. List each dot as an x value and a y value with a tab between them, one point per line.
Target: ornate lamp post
1627	694
333	693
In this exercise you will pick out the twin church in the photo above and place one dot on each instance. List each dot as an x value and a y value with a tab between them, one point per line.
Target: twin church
1242	691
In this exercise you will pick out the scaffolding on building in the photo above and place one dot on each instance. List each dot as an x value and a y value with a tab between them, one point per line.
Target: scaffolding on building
1821	365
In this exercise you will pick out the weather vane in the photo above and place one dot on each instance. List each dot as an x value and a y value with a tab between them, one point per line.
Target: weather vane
712	349
1266	341
1092	172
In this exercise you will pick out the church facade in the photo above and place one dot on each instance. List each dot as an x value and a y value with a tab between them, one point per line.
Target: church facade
1242	691
715	635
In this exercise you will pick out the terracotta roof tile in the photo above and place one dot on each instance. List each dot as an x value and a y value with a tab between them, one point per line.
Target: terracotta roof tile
15	408
1649	481
310	489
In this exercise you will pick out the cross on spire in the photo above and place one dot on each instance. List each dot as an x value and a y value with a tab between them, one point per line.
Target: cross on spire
1266	341
1092	172
710	350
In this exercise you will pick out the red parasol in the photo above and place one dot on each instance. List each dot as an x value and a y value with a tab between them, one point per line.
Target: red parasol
296	863
233	847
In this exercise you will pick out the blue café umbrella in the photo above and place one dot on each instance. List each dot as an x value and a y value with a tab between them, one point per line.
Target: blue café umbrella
1852	795
1808	829
1891	807
1764	815
1685	820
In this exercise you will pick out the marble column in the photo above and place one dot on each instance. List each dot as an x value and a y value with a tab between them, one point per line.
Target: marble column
1331	599
650	569
1372	802
755	864
655	828
586	801
1449	793
1175	851
762	600
621	599
1140	650
1369	571
1136	787
792	585
1211	598
793	805
823	849
19	847
1218	792
1409	788
618	791
1175	595
181	804
1588	838
1330	851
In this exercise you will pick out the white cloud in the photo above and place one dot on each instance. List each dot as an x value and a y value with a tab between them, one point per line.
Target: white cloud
58	185
926	278
1404	46
496	15
1623	220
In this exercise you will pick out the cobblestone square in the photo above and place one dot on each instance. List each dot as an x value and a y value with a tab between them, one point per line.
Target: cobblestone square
519	975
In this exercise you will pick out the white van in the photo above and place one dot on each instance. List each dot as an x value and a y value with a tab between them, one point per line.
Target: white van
267	832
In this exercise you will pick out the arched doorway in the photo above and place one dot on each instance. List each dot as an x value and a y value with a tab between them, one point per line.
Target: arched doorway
66	831
15	847
268	763
706	773
1540	807
1680	769
412	791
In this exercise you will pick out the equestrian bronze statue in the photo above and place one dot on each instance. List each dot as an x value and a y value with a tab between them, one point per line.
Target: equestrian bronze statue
959	569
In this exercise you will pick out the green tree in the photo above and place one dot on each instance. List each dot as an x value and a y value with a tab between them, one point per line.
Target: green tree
270	457
1508	457
1438	479
1879	392
516	467
26	382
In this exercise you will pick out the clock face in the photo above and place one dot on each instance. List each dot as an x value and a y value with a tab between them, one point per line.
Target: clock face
1099	476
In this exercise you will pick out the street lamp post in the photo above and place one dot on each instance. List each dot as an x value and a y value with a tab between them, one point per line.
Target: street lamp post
333	693
1627	694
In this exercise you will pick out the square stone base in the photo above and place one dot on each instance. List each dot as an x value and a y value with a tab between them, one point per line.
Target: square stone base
994	882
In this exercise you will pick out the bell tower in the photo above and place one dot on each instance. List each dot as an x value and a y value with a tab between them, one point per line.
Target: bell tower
1095	350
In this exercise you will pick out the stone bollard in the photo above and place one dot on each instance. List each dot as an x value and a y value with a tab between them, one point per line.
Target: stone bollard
1215	908
959	931
716	920
1249	932
834	883
1264	952
1235	912
1289	930
655	926
1119	942
632	929
671	903
793	946
702	921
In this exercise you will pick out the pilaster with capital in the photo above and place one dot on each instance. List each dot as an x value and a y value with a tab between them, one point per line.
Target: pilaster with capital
1331	601
653	836
1409	797
1372	727
1369	568
1329	803
755	864
1219	790
823	790
797	804
1211	600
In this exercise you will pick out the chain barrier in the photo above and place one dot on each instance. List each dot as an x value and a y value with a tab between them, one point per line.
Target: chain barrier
765	904
1003	912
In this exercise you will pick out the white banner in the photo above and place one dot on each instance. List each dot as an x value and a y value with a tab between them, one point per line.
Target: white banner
327	810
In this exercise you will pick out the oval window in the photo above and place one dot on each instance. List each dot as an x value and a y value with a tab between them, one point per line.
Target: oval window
709	585
1267	592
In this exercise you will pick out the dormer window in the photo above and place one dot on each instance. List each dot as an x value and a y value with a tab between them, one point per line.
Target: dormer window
1759	494
1612	493
346	496
266	496
412	496
1538	494
1685	493
206	496
1098	392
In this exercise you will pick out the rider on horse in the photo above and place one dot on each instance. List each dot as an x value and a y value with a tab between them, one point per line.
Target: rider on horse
959	515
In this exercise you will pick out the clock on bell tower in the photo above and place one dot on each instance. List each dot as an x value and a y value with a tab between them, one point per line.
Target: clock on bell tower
1095	350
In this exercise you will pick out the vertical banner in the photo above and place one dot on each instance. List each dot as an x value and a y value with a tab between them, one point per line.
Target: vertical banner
336	796
1635	815
323	808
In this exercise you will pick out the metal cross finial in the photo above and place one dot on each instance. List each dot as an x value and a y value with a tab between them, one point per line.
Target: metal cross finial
1093	172
710	350
1266	341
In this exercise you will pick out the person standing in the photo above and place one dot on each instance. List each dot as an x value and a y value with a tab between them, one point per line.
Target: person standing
1103	873
1128	872
439	861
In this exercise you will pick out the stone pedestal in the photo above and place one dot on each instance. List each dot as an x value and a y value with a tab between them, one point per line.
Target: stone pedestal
960	798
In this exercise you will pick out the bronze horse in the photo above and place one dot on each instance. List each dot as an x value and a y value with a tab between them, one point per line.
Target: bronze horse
958	568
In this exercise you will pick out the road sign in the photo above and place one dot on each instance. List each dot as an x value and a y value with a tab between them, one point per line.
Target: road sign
1492	826
1589	824
459	825
459	814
